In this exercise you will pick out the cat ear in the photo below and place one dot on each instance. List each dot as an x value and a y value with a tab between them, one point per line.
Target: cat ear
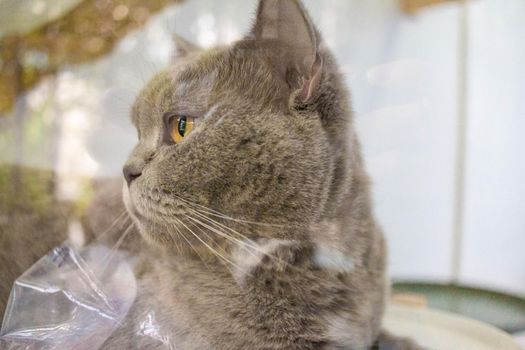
183	47
297	43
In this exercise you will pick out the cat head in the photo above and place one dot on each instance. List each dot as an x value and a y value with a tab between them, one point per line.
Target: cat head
246	131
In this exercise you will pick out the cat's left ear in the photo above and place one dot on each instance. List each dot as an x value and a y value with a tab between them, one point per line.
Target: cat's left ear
183	47
297	43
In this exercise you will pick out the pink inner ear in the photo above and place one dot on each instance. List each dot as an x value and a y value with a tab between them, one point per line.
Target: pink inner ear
312	83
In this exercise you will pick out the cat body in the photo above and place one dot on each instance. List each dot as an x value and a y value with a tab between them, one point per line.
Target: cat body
260	230
291	304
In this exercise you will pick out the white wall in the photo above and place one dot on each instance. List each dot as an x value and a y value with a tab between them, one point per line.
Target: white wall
494	242
402	73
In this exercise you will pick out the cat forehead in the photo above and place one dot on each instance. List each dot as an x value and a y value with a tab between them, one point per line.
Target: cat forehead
194	83
180	87
220	66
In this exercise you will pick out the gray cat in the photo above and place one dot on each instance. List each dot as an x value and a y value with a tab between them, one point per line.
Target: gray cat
248	184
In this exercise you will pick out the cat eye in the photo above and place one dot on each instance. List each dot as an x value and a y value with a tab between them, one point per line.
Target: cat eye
179	127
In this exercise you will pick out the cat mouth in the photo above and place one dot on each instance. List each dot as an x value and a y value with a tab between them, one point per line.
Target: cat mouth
155	228
140	214
149	212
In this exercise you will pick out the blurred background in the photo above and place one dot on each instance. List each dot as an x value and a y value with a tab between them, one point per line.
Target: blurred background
437	90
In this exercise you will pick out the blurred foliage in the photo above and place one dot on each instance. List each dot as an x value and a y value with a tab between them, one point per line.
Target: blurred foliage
85	198
413	6
32	221
22	16
29	190
89	31
26	190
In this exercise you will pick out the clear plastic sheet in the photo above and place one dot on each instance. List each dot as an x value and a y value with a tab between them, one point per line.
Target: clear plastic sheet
69	299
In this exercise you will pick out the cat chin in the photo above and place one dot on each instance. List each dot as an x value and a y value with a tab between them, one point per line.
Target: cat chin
137	218
133	212
154	234
150	234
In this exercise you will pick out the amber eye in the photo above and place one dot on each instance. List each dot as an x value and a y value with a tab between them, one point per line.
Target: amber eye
180	127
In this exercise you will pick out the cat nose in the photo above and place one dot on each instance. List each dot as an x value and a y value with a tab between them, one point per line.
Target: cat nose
131	172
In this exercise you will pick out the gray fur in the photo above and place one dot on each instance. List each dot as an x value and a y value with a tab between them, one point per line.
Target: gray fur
275	144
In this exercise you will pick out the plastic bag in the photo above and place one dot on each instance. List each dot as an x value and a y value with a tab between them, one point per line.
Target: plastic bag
69	299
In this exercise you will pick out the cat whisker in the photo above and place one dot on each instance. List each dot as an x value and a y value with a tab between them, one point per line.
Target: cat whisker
219	225
216	213
222	234
176	241
181	233
119	220
246	244
247	241
116	246
200	229
219	255
123	237
205	233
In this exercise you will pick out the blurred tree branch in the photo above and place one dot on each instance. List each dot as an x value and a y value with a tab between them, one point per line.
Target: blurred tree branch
88	31
413	6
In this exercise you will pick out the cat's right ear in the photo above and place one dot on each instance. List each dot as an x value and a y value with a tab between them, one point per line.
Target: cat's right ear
183	47
295	44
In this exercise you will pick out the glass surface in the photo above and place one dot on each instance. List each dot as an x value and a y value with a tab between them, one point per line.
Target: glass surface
70	71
